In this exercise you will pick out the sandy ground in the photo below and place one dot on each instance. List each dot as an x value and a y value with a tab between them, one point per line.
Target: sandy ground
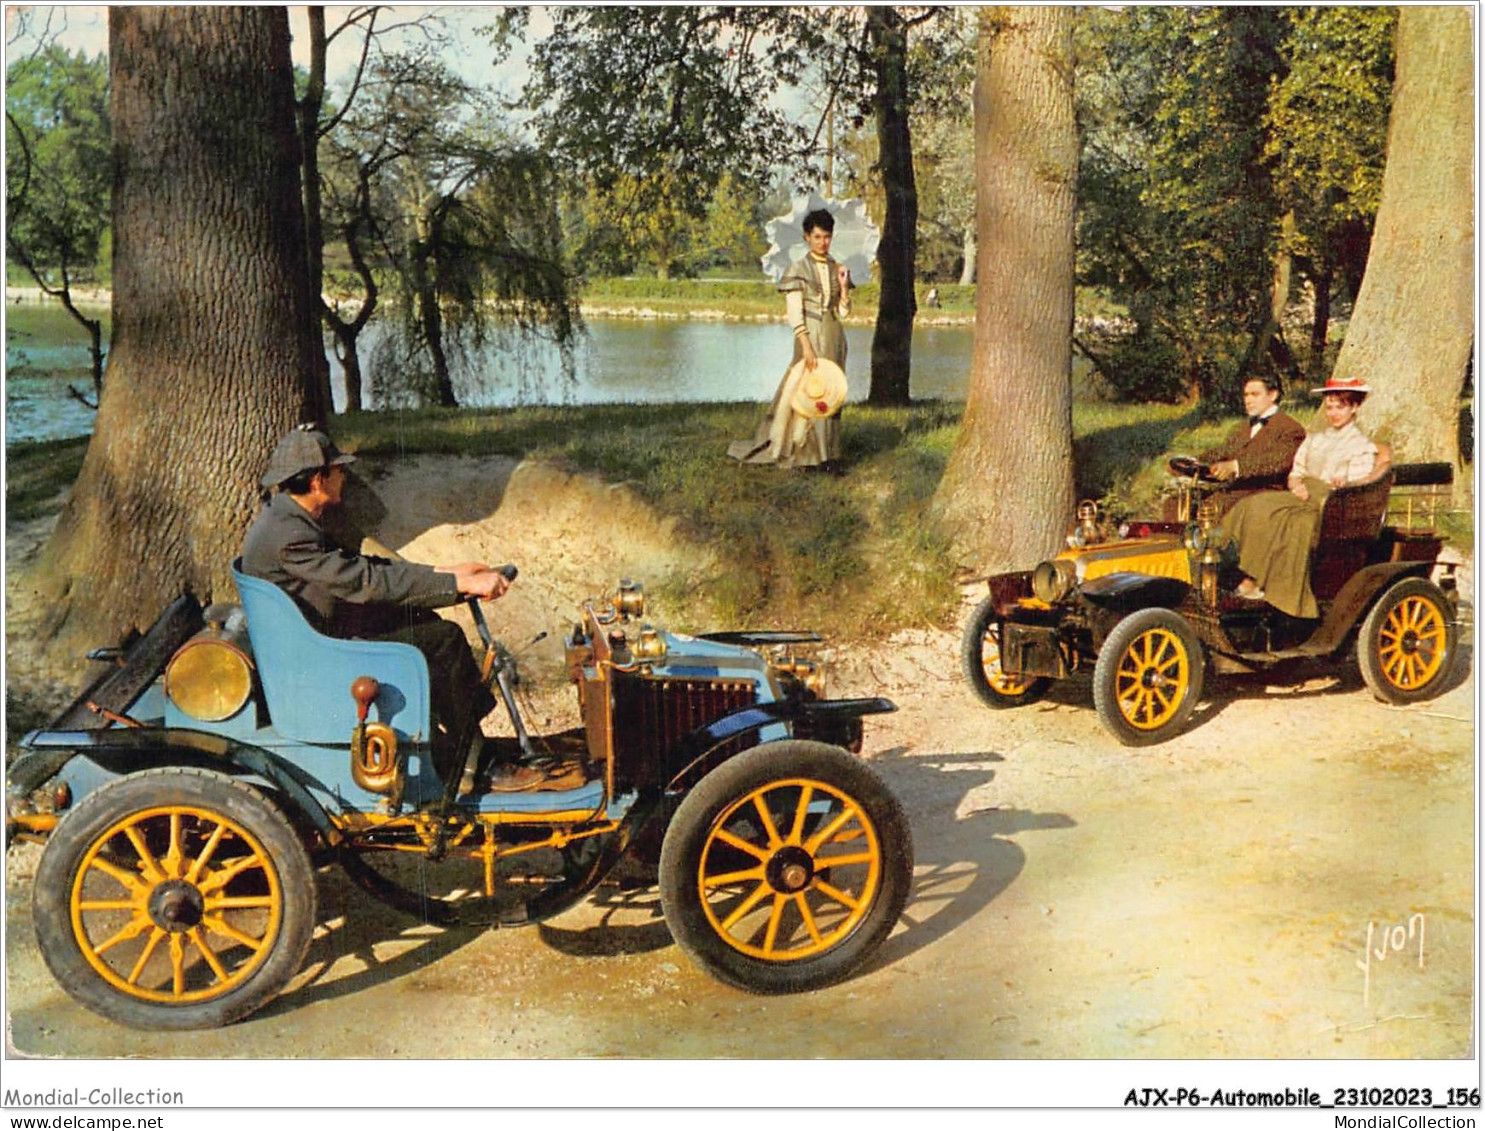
1211	897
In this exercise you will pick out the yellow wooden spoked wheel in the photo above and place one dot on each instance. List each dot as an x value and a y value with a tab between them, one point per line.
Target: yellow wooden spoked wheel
1148	677
785	867
179	911
980	659
789	870
176	904
1406	644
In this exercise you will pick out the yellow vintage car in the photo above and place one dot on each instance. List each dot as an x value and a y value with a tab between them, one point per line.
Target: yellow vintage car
1149	608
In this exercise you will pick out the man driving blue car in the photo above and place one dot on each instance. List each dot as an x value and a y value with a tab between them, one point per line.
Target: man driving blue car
349	594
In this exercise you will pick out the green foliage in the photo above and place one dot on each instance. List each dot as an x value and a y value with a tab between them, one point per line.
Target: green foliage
656	112
1327	143
1328	115
58	170
941	74
1203	128
434	197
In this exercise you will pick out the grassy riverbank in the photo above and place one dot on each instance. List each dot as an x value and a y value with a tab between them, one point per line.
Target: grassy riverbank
856	554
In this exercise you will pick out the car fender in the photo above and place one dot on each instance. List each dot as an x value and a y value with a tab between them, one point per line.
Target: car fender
1124	593
1355	599
125	750
692	753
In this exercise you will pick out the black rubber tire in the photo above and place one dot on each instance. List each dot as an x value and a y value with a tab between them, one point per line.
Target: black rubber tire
1399	663
83	856
835	938
1121	666
989	683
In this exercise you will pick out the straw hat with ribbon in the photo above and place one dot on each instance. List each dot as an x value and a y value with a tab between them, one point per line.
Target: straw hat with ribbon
818	392
1343	385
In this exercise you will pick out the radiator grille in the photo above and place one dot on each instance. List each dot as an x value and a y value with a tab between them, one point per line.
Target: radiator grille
652	715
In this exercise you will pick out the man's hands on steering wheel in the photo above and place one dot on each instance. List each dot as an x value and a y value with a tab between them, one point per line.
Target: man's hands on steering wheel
1188	466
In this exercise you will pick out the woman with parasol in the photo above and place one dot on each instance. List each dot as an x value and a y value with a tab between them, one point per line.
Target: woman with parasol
802	425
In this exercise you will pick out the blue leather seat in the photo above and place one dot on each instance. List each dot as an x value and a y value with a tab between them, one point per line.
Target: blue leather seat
306	676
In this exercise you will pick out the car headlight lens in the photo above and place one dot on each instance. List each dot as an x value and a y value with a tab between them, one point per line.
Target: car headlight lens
1053	580
209	679
1195	538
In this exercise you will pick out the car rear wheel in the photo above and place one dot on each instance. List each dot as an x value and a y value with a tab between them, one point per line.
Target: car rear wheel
786	867
174	899
979	653
1407	643
1148	677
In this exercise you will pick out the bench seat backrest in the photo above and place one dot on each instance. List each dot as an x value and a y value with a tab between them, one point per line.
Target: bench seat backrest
306	676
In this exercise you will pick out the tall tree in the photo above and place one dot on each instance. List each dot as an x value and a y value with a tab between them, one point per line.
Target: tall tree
57	174
897	255
1412	332
1178	215
1327	140
656	104
1017	427
210	336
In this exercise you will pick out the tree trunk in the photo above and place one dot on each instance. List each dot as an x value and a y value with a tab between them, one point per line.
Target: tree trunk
892	341
348	333
429	313
971	255
1412	331
210	343
1263	342
321	400
1320	329
1007	494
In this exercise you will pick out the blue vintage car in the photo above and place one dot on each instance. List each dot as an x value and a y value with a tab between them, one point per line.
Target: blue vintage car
190	792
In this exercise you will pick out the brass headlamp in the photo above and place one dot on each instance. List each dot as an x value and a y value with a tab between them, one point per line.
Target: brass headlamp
1053	580
210	677
629	600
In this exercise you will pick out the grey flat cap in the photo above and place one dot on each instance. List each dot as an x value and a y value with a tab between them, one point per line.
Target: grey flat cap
306	448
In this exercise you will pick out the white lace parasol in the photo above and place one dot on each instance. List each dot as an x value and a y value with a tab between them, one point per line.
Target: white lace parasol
853	246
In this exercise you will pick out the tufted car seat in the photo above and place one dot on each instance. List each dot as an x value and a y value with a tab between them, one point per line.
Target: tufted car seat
306	676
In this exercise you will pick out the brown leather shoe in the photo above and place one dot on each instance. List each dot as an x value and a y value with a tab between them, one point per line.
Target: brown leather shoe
515	779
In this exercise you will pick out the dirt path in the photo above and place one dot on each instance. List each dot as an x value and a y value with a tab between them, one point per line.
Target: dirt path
1207	898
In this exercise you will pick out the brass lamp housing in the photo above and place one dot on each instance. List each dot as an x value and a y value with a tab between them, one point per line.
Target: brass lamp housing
209	677
650	646
810	674
629	599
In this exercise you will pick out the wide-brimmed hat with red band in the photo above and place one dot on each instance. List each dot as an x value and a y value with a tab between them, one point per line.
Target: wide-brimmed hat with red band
818	392
1343	385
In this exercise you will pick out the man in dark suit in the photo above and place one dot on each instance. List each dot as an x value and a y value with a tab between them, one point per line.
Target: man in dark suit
1258	453
349	594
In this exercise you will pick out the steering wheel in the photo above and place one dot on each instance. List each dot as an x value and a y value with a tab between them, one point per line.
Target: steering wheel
1190	467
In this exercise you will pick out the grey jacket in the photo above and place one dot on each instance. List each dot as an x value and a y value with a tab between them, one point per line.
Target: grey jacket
286	546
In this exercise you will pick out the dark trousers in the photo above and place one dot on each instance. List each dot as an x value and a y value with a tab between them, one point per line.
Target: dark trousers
459	698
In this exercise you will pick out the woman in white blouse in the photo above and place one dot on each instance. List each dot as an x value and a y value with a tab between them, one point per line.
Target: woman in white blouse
817	296
1275	530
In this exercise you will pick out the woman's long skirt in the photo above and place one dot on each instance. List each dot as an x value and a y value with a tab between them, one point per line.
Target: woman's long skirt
784	437
1275	532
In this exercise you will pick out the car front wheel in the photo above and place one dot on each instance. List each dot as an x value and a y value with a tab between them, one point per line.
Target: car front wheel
979	654
786	867
1148	677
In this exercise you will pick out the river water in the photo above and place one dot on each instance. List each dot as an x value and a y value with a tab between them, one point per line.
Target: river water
619	360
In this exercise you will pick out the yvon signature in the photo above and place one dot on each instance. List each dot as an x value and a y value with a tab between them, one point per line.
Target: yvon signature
1397	939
